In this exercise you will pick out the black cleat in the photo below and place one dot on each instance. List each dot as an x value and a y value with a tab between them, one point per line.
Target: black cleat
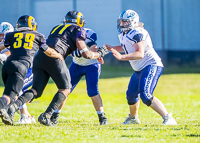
44	119
54	118
5	117
11	112
102	119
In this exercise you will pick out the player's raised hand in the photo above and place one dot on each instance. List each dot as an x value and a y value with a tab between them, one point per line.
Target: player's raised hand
116	54
108	46
100	60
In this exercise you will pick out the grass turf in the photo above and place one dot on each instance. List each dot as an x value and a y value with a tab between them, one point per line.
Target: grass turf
78	121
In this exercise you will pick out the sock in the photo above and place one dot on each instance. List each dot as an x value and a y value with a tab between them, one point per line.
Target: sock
100	112
57	111
55	103
25	97
3	102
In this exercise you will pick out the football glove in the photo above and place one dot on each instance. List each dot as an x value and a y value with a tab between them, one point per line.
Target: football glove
102	51
3	58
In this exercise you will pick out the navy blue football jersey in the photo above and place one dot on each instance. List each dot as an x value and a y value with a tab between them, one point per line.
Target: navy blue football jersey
24	44
63	38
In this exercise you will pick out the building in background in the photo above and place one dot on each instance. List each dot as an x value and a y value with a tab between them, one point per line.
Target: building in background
172	24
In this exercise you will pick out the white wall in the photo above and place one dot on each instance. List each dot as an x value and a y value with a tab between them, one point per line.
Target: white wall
182	18
101	16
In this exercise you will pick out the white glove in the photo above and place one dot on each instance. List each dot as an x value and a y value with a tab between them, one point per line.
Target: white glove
3	58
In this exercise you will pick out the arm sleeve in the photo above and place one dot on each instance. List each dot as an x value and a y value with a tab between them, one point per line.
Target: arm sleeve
43	45
80	33
6	42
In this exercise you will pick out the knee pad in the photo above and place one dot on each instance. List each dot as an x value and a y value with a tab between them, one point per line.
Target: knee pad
148	102
131	103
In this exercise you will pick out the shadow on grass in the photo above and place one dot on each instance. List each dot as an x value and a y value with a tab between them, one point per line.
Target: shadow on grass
113	71
131	136
193	135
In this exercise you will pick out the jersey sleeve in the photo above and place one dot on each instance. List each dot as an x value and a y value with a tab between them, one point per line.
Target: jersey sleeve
6	40
91	38
135	36
43	45
80	33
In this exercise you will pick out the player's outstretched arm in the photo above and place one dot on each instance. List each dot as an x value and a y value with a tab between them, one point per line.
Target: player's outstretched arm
53	53
138	54
101	52
117	48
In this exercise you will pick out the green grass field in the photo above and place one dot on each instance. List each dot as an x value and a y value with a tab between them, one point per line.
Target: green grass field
78	122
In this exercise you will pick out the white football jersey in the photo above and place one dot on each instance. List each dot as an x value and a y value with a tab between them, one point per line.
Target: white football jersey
90	40
150	56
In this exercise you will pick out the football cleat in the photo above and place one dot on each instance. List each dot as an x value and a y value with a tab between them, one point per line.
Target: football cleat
44	119
54	118
11	112
26	120
169	120
132	120
102	119
6	119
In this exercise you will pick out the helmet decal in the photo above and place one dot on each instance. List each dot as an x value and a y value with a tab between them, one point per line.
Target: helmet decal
27	22
79	19
74	17
6	27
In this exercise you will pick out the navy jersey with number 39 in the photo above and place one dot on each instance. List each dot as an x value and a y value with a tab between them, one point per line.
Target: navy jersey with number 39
24	44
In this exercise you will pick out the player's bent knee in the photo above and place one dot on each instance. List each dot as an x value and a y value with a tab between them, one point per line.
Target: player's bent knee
131	103
148	102
66	92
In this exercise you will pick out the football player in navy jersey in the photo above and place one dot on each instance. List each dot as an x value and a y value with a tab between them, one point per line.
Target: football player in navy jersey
64	38
26	118
91	69
136	43
23	45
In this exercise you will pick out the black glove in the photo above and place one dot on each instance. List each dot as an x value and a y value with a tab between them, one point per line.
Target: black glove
102	51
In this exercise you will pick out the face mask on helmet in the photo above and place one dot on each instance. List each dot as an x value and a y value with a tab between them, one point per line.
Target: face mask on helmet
74	17
26	22
127	21
5	27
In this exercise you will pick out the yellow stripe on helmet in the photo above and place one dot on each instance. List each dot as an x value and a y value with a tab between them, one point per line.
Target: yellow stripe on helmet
79	16
32	27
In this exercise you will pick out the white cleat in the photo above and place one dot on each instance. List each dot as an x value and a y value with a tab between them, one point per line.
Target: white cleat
169	120
132	120
26	120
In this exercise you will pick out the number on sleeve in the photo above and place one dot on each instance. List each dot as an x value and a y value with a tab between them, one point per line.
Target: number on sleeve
62	30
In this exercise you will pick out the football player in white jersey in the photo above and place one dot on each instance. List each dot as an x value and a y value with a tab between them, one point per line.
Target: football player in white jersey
26	118
136	43
91	69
